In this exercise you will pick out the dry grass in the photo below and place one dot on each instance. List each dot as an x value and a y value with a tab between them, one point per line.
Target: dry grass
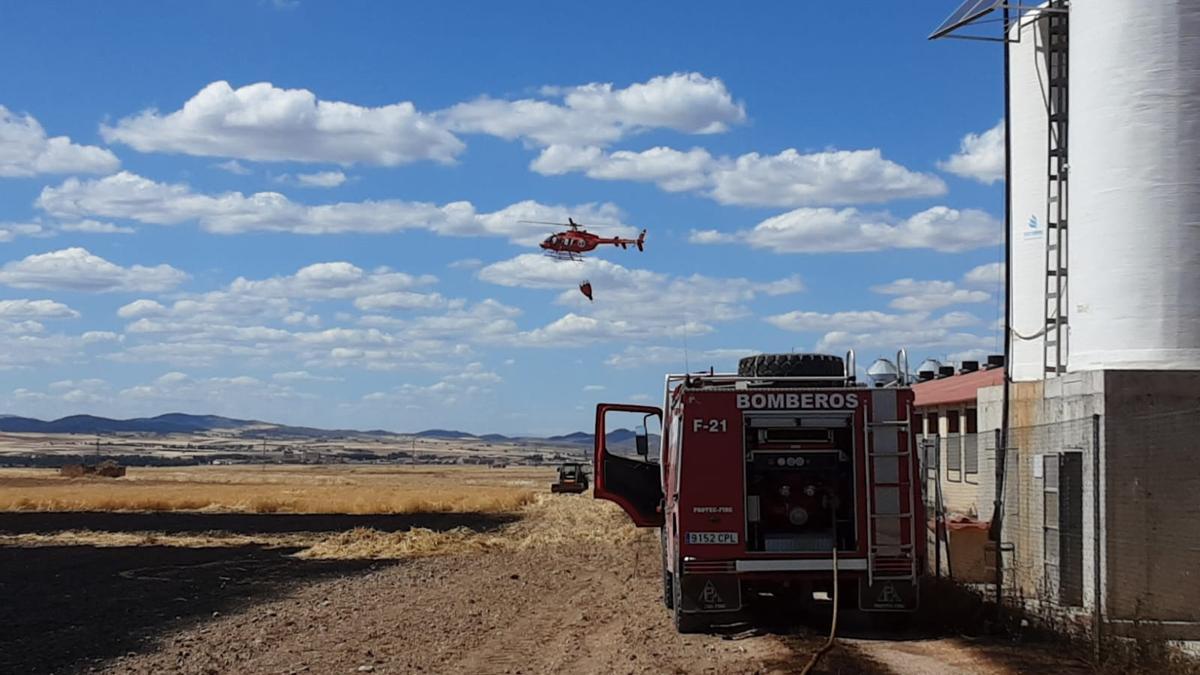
102	539
249	489
549	521
546	521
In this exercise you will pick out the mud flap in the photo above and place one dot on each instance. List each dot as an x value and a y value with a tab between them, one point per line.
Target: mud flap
715	593
887	596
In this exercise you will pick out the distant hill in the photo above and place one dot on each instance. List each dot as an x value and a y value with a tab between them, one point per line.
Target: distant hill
183	423
445	433
170	423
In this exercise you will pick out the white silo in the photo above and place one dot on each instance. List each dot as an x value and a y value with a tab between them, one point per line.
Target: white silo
1134	140
1028	120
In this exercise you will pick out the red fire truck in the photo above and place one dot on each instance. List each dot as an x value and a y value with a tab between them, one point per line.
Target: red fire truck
763	474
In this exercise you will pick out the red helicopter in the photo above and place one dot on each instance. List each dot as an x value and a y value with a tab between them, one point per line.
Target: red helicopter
572	243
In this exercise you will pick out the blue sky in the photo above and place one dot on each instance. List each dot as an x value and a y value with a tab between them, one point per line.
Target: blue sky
309	212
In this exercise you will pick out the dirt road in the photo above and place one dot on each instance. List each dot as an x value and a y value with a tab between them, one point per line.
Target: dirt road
526	598
531	601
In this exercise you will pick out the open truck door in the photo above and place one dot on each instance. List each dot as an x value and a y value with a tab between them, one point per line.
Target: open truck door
634	484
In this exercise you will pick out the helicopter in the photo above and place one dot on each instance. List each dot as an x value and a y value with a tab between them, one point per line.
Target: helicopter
572	243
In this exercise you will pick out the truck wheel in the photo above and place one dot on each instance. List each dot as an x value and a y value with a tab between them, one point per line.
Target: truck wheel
791	365
668	581
686	623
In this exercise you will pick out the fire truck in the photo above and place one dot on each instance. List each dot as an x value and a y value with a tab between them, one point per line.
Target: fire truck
776	481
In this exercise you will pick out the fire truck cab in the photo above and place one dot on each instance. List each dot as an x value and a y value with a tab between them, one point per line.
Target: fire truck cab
762	475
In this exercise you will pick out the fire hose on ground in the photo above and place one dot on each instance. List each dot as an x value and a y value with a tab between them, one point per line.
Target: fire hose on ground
820	653
816	657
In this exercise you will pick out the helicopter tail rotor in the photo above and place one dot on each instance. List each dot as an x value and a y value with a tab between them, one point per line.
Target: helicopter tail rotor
641	240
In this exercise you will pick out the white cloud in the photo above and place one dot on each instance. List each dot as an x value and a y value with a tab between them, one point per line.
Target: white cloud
233	166
10	231
833	177
26	150
928	338
399	300
594	387
881	330
28	346
988	274
712	237
824	230
801	321
265	322
303	376
298	318
95	227
176	389
76	269
141	308
924	296
329	280
321	179
473	381
672	170
466	264
97	336
788	179
980	156
722	360
127	195
599	113
629	304
262	122
35	309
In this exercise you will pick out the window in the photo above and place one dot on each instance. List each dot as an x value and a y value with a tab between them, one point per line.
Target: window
971	454
954	463
972	421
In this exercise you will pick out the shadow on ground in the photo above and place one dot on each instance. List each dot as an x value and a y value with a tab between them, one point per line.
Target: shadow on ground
31	522
862	637
67	608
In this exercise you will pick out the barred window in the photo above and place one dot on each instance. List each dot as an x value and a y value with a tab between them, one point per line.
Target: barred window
953	458
971	453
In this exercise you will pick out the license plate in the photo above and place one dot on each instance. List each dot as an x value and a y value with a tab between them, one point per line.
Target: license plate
712	537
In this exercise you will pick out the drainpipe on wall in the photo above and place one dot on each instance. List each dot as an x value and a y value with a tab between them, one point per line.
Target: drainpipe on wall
1002	444
1097	596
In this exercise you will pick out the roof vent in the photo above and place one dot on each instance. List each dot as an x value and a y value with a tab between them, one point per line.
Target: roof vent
945	371
969	366
883	373
995	361
928	370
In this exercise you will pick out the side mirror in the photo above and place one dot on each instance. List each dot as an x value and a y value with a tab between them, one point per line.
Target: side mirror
643	445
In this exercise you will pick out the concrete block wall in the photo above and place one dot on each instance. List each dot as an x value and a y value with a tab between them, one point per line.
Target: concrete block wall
1047	417
1152	514
1148	487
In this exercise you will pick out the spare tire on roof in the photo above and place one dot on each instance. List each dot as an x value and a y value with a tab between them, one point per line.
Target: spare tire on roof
792	365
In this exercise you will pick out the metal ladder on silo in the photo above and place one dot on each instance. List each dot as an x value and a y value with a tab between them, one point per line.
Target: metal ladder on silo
1054	356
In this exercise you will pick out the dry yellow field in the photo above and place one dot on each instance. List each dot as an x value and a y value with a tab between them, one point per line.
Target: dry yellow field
280	489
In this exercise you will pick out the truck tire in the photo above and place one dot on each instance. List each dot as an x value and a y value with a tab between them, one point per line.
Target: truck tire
686	623
791	365
668	581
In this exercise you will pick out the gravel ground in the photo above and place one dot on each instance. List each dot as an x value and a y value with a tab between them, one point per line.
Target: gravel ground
571	588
